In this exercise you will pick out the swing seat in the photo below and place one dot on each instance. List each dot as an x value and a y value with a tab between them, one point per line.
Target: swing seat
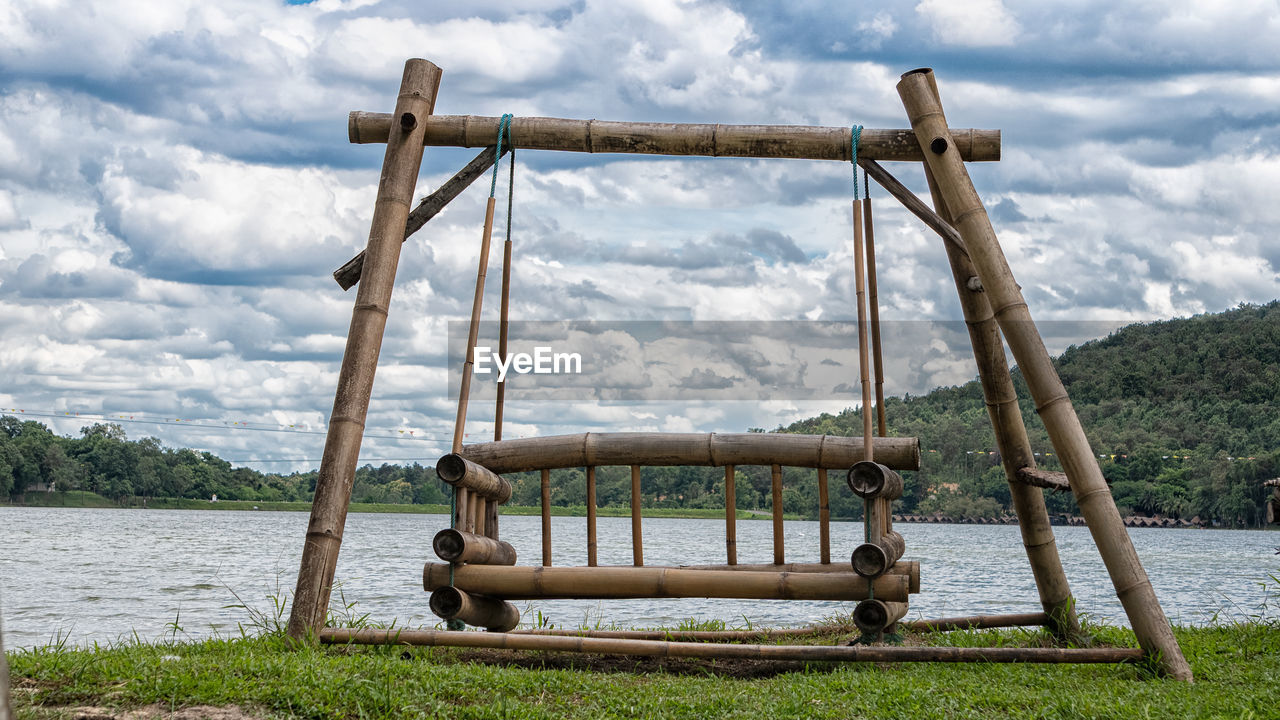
482	568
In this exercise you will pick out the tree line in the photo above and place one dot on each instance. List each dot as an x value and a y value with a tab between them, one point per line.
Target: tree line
1184	414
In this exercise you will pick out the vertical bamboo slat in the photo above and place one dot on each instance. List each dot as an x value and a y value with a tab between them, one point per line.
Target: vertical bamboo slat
779	545
400	166
546	518
491	519
824	518
1011	440
637	543
591	516
1133	588
730	517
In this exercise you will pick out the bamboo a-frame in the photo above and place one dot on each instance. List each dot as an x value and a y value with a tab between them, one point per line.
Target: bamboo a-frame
993	309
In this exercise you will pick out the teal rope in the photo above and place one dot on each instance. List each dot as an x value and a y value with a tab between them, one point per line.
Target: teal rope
504	129
855	134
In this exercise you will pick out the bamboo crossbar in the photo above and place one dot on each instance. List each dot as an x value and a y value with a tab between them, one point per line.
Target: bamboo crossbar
659	648
627	582
979	622
602	136
1047	479
715	449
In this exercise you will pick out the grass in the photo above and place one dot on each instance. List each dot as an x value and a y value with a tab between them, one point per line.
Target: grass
84	499
1237	670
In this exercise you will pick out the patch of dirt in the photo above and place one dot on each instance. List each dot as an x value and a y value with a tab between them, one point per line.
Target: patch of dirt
162	712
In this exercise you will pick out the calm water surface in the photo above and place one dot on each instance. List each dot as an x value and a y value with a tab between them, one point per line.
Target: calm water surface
102	575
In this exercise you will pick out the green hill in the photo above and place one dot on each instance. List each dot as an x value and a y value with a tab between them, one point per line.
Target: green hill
1185	414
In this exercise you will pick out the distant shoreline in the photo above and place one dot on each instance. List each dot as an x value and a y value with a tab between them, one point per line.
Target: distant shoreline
81	499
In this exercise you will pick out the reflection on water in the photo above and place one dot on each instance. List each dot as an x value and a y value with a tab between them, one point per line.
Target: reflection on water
100	575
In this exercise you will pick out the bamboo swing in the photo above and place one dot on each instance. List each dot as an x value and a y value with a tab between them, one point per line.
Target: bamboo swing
479	574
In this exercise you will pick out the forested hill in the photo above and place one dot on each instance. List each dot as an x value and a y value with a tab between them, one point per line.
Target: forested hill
1186	413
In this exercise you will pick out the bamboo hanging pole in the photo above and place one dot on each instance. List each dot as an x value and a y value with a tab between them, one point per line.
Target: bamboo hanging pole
1010	434
400	167
637	541
522	582
658	648
504	317
714	449
1133	588
873	304
473	333
591	516
601	136
730	517
779	544
864	355
431	205
495	615
460	472
546	518
824	518
872	616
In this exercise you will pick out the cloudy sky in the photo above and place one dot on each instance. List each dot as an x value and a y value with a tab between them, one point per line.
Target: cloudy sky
176	187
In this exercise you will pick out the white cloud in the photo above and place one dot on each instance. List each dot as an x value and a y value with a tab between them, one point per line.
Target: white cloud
981	23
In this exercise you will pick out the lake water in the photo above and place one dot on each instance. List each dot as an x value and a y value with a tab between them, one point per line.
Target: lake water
103	575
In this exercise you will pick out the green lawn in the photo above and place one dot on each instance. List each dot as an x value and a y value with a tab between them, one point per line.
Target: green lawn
1237	671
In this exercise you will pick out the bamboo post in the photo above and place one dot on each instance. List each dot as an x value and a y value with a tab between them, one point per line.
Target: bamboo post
730	517
637	542
1133	588
873	304
1011	440
824	518
591	516
546	518
461	508
779	544
400	166
6	709
491	519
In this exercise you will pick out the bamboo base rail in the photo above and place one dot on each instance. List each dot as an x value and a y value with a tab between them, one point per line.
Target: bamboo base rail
658	648
979	622
600	449
939	625
400	165
1133	588
601	136
617	583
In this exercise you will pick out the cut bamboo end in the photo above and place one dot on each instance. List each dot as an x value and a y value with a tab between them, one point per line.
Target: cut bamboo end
463	473
616	583
704	449
872	560
495	615
456	546
873	616
872	480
